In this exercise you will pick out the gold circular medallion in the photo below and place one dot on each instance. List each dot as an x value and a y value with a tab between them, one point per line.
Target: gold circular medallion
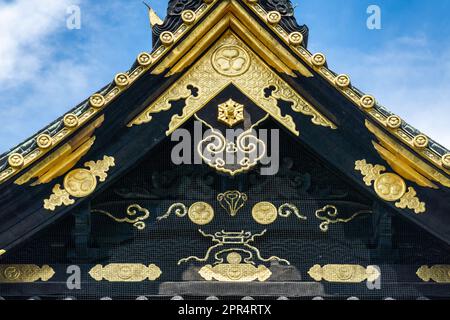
97	100
231	60
273	17
342	81
188	16
71	120
122	79
167	38
11	273
390	187
16	160
201	213
367	102
345	273
80	183
394	122
44	141
421	141
144	59
318	59
265	213
446	161
296	38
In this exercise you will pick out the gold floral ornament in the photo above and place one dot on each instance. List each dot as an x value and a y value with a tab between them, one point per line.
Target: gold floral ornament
330	215
437	273
235	271
367	102
79	183
97	101
390	187
421	141
231	113
127	272
122	80
344	273
446	161
232	201
167	38
25	273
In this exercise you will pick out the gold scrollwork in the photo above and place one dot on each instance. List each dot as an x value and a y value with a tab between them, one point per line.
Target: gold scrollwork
235	271
329	215
180	211
232	201
25	273
390	187
132	211
127	272
344	273
287	209
79	183
231	62
437	273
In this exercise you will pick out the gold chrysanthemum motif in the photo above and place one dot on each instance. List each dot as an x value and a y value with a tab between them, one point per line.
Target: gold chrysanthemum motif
231	113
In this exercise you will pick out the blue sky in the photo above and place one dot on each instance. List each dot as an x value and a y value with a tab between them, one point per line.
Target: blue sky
46	69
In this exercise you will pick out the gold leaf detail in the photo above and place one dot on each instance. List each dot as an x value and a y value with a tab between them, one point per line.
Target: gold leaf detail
344	273
126	272
410	201
25	273
58	198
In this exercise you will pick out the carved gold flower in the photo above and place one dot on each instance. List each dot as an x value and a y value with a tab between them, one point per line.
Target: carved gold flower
231	113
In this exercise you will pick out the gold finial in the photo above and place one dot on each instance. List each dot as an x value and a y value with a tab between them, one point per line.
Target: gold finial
153	16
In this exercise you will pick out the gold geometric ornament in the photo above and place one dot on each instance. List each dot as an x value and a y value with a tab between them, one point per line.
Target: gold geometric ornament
231	113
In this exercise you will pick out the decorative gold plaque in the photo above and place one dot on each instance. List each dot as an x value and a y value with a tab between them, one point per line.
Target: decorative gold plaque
344	273
231	113
437	273
265	213
79	183
390	187
201	213
235	271
25	273
127	272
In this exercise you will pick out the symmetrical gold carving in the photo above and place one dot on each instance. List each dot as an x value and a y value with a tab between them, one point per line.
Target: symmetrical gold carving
232	201
226	242
231	157
342	81
127	272
122	80
367	102
394	122
25	273
235	271
79	183
144	59
390	187
265	213
318	60
329	215
296	38
273	17
437	273
132	211
97	101
201	213
167	38
233	63
231	113
344	273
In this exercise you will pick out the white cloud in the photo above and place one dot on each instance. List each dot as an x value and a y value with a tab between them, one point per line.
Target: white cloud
24	27
409	75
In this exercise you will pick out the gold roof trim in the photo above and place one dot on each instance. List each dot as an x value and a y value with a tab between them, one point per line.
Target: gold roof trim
404	162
